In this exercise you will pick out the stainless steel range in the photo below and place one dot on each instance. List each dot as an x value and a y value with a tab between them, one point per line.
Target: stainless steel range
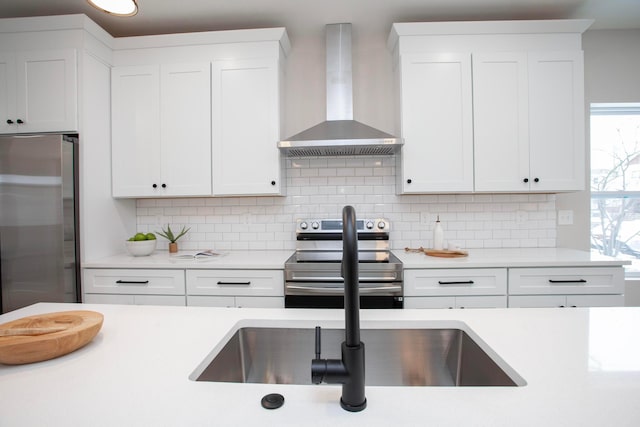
312	274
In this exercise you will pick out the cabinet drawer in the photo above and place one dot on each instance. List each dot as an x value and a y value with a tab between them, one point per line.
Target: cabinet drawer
472	281
493	301
582	280
134	281
235	282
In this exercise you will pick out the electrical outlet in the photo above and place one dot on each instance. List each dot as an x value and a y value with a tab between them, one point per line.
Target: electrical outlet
424	218
565	217
521	217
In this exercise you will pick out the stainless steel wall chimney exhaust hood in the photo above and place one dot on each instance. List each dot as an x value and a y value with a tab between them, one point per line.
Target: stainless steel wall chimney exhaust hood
339	135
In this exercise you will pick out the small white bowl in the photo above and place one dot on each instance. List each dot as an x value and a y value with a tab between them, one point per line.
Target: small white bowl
141	247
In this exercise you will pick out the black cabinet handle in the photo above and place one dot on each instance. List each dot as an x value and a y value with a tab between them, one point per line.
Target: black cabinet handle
536	179
525	180
132	282
164	185
409	181
234	283
9	121
273	183
467	282
20	121
155	185
568	281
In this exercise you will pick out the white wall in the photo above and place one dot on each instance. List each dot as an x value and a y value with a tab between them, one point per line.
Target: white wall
320	187
612	61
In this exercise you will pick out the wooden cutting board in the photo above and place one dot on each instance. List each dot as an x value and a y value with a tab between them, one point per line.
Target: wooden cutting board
46	336
443	253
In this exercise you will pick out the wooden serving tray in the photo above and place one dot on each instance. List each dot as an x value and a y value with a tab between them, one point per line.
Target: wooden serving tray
46	336
443	253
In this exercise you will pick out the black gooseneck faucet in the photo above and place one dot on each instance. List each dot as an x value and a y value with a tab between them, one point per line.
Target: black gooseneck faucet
348	371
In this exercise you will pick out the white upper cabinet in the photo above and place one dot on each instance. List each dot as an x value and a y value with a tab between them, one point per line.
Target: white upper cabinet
497	105
161	133
437	123
556	121
245	122
528	121
198	114
38	91
500	112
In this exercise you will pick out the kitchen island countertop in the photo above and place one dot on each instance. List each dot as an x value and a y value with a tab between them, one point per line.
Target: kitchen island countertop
581	366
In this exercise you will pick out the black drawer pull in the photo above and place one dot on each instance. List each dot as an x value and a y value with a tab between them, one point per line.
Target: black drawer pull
133	282
468	282
234	283
568	281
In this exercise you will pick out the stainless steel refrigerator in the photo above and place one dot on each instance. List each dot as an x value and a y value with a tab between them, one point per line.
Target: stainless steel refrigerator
39	239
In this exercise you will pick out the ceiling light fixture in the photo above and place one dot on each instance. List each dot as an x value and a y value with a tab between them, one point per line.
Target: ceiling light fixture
116	7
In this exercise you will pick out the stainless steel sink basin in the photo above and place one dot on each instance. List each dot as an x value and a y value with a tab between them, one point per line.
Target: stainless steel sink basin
394	357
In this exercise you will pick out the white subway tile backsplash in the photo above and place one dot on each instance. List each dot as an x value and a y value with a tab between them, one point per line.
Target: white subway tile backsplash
320	187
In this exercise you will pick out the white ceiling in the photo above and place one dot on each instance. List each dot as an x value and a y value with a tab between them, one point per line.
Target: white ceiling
305	17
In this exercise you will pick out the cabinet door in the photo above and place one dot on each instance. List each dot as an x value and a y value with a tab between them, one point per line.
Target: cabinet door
7	92
429	302
210	301
500	122
556	121
185	112
595	300
246	127
135	131
535	301
436	123
494	301
46	98
260	302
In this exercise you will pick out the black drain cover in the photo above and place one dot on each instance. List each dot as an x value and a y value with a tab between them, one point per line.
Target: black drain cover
272	401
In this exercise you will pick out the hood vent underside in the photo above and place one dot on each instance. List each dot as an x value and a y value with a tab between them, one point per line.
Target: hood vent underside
339	135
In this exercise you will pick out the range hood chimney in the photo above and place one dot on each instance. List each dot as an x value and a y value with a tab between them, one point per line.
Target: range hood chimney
339	135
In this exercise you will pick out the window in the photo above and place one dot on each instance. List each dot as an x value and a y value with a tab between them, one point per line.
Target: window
615	181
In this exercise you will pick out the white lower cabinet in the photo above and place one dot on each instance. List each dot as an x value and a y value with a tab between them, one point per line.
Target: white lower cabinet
235	288
134	286
176	300
531	301
491	301
455	288
566	287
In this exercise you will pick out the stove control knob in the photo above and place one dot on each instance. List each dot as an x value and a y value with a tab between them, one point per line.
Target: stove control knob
303	225
369	225
381	225
315	225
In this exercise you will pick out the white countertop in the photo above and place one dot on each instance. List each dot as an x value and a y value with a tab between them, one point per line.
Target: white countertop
511	257
226	259
582	367
478	258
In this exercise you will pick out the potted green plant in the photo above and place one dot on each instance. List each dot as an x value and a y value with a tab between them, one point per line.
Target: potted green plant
173	238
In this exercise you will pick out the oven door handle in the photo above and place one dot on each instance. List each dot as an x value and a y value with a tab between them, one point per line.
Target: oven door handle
332	290
334	279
